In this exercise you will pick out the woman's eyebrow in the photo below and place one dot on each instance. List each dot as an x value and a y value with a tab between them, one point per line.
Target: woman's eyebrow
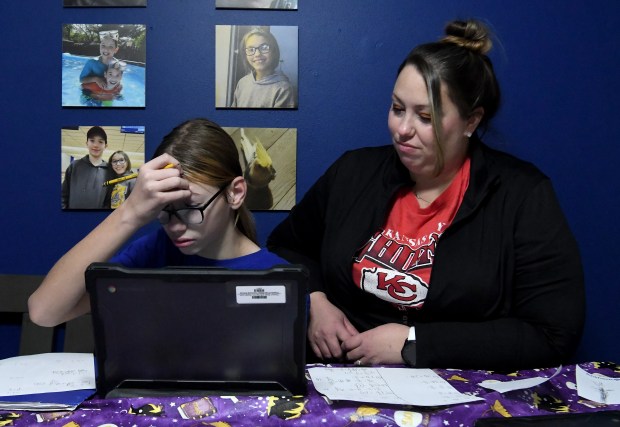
396	99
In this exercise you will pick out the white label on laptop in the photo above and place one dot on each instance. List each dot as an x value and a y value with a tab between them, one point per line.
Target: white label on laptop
273	294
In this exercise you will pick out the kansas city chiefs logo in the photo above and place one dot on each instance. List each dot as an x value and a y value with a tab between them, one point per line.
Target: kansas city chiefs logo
394	286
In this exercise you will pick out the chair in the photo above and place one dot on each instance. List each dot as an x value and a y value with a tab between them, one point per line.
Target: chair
14	293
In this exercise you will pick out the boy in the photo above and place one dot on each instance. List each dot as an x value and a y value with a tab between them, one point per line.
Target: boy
83	187
94	70
112	82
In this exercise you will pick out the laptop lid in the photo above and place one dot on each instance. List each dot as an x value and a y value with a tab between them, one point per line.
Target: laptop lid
198	330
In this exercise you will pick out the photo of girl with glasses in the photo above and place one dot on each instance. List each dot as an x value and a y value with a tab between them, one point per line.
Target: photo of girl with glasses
119	166
199	202
264	85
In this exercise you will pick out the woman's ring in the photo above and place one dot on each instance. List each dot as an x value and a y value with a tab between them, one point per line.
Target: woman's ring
358	362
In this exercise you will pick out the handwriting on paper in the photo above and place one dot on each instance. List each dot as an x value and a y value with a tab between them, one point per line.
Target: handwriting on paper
597	387
47	373
405	386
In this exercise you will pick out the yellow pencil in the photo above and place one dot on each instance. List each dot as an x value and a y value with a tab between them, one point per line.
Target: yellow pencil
130	176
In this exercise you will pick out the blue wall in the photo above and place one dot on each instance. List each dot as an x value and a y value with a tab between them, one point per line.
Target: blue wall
557	62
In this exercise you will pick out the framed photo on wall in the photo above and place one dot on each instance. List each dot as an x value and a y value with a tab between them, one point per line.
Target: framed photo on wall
104	3
96	164
256	67
103	65
256	4
268	158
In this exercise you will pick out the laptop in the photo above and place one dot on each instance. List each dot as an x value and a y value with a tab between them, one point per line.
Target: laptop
198	330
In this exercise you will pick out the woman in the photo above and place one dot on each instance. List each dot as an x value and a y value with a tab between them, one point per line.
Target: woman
445	252
118	193
200	204
263	86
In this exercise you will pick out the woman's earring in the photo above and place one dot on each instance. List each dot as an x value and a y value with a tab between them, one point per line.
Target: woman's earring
467	134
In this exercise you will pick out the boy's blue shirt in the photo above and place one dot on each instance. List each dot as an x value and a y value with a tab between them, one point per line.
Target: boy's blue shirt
155	250
93	67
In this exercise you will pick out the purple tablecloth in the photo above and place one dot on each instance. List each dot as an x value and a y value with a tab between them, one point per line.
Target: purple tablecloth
558	395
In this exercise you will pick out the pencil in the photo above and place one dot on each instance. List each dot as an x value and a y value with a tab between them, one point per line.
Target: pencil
130	176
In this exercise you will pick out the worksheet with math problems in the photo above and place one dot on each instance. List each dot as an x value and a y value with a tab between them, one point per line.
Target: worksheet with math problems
404	386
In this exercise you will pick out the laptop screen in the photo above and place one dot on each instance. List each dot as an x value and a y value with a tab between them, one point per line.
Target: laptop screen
216	331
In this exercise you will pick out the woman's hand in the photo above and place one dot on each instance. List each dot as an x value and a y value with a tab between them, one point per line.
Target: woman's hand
328	327
156	187
380	345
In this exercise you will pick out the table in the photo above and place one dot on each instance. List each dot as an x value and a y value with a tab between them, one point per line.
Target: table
558	395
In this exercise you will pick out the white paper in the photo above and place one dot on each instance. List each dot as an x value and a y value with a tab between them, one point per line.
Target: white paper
597	387
505	386
404	386
46	373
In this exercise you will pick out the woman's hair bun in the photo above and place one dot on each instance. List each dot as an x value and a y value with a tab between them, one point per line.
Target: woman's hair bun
470	34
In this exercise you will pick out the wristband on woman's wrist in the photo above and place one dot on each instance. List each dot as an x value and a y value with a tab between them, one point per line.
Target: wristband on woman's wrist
408	353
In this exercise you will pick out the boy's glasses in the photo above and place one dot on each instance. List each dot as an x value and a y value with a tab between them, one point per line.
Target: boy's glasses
264	48
187	216
118	162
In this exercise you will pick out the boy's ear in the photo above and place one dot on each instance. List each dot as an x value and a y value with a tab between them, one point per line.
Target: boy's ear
236	192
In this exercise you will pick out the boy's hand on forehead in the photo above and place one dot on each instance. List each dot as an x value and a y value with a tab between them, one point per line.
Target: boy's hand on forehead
160	182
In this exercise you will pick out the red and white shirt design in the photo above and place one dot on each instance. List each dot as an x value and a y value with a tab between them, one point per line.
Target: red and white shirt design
395	264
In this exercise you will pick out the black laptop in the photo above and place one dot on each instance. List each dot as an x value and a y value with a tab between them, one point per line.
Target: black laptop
198	331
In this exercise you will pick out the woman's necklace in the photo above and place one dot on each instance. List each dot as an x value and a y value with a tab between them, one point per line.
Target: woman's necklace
415	193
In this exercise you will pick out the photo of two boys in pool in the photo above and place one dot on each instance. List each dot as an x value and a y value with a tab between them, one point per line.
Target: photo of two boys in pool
103	65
